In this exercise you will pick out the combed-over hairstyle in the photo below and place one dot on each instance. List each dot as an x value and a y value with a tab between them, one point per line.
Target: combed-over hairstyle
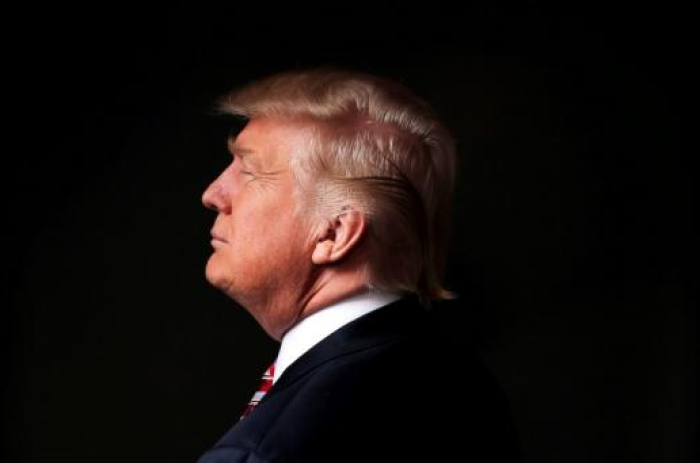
376	148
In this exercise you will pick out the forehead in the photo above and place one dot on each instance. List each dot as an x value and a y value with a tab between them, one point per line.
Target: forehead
270	142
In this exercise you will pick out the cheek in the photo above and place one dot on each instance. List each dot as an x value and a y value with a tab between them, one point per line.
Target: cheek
263	224
281	239
249	226
263	213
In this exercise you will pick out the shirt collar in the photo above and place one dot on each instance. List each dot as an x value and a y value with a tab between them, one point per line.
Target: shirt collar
314	328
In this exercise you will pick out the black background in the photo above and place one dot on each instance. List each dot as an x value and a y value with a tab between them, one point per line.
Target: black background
571	237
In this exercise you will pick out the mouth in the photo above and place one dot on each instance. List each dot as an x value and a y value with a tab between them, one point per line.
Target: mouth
217	239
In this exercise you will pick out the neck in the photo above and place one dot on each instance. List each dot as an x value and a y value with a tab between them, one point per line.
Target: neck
329	286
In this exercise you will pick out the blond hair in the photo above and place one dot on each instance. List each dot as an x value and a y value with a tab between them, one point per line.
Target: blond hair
378	147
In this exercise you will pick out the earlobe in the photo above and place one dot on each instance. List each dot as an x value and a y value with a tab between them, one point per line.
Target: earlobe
342	235
322	252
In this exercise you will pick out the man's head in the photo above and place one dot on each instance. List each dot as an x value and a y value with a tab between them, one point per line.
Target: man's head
337	176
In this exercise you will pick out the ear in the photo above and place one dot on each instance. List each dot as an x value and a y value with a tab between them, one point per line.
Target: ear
341	235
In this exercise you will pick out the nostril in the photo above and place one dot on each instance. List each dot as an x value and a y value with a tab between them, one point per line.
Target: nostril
214	197
210	205
208	200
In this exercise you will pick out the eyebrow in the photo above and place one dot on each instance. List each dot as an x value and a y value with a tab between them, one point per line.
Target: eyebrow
238	150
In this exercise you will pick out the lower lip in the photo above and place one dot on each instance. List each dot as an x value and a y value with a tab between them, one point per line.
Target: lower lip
217	243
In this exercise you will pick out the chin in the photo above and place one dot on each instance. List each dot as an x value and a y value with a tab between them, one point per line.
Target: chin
213	273
219	276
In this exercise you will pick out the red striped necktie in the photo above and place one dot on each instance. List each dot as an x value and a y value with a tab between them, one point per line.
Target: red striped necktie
265	385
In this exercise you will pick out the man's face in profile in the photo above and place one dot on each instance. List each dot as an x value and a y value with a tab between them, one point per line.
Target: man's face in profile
261	248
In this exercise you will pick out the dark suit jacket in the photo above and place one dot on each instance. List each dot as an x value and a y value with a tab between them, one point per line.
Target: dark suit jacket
386	387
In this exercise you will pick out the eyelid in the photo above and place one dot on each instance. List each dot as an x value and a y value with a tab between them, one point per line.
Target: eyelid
243	166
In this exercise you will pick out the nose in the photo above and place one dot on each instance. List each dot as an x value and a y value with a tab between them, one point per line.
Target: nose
214	196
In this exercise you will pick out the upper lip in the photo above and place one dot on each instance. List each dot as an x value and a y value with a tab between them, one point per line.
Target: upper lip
216	236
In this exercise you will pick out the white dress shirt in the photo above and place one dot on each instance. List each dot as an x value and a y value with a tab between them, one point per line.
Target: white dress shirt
311	330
